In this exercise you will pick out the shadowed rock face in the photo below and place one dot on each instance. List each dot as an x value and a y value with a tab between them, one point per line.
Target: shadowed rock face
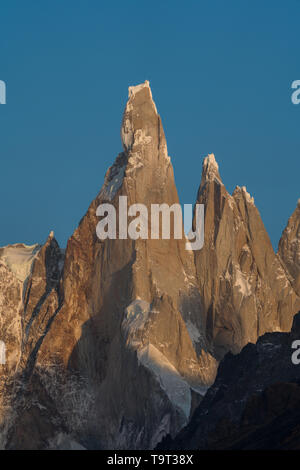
110	343
254	402
244	287
289	248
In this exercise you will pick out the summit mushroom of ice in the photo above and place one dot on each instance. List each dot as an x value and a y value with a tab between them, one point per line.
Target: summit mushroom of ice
135	113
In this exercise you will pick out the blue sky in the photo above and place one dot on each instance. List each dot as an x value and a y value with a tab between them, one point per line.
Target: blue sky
220	73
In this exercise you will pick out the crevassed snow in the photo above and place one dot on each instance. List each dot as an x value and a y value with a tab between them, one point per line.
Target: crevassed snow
193	332
136	315
176	388
19	258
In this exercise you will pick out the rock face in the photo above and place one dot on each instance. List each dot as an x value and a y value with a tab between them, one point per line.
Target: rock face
289	248
254	402
30	298
125	323
244	287
112	343
129	304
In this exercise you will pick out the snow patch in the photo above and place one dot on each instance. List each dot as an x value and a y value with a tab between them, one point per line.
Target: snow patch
19	259
136	315
127	134
64	442
133	90
135	162
193	332
242	283
231	202
141	138
113	183
211	168
210	162
247	195
175	387
200	389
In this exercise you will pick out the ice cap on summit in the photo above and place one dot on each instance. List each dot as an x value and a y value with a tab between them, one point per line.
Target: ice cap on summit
132	90
210	162
135	114
247	195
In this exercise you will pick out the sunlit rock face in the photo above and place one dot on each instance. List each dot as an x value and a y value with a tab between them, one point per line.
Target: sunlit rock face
244	287
289	248
122	330
112	344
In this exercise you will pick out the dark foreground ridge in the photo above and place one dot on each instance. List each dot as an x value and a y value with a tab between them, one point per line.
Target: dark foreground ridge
254	402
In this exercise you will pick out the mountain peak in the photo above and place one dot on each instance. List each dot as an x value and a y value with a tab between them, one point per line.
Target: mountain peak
211	168
140	119
133	90
243	190
247	195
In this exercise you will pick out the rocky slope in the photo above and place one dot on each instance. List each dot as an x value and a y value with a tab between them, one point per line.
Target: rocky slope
254	402
112	343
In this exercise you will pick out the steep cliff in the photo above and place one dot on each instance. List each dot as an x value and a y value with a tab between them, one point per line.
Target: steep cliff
125	323
243	285
289	248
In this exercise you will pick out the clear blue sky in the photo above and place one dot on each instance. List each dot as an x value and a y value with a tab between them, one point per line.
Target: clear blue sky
220	73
